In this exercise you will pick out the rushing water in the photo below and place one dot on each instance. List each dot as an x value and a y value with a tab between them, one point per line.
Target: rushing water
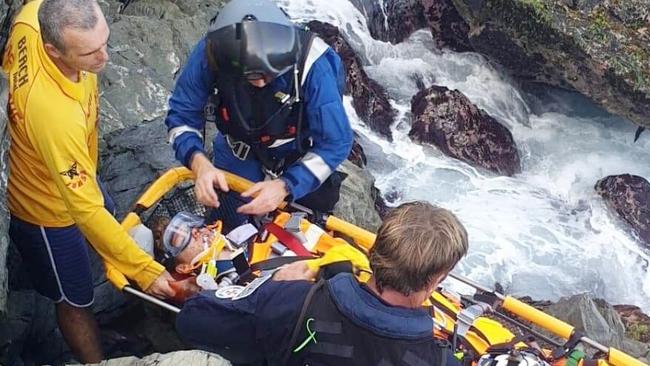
544	232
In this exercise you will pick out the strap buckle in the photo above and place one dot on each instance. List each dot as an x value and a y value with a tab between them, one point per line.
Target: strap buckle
239	148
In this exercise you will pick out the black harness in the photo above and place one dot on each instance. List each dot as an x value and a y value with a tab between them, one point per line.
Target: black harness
253	119
324	336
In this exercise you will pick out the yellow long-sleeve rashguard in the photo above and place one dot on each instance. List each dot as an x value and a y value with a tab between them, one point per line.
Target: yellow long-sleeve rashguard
53	154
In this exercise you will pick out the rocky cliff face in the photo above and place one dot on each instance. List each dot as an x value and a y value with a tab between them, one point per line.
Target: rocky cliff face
599	48
4	213
7	10
150	41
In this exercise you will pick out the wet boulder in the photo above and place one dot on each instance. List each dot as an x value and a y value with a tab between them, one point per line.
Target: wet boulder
628	195
448	120
357	155
395	20
598	48
392	20
369	99
448	28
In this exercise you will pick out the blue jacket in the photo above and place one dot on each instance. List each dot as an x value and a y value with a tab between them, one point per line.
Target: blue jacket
261	324
327	122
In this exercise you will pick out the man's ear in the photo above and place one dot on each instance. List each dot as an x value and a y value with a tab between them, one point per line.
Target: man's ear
52	51
184	268
196	232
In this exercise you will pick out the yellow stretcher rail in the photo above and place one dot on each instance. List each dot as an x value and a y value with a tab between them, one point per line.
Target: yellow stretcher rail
366	240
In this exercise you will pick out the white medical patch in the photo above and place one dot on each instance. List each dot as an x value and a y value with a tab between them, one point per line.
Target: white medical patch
252	286
228	292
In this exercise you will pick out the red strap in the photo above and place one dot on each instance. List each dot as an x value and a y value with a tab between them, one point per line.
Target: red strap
288	240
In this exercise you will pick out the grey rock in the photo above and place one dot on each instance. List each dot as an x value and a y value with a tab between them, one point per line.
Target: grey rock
134	158
356	204
4	212
150	41
449	121
628	195
598	320
188	358
598	48
8	9
30	324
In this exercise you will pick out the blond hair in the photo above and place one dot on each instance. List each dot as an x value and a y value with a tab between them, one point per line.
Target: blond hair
416	243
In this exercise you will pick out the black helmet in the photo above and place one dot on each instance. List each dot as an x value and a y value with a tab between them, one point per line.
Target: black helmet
253	39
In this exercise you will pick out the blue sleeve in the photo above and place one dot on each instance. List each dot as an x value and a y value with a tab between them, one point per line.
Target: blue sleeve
187	102
328	123
259	325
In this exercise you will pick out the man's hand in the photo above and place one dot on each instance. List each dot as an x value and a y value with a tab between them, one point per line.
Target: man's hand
295	271
161	288
268	196
207	176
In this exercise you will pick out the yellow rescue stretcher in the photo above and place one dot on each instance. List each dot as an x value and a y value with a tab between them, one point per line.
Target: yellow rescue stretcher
482	332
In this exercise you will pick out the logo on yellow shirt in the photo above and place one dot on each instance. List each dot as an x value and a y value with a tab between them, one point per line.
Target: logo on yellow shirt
77	178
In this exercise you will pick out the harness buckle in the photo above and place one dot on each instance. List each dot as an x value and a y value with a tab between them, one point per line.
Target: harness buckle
239	148
270	173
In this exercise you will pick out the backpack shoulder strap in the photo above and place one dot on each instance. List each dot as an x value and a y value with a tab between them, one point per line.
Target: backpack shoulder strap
296	330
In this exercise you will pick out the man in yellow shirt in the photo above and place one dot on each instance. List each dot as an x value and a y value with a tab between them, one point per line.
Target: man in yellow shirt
55	49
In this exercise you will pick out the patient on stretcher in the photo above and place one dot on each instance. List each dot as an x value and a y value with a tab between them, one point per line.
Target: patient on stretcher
197	255
200	257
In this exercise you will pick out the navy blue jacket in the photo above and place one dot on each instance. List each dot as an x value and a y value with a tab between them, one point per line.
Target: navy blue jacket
261	324
327	123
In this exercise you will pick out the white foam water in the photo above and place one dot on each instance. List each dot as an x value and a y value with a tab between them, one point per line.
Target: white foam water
544	232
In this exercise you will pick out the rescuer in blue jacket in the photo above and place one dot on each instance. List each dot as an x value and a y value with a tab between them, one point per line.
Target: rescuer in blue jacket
288	320
275	93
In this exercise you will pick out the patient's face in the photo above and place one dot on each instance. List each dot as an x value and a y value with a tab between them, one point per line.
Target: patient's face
201	239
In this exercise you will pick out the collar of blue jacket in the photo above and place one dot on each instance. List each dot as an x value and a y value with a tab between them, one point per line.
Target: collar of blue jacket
365	309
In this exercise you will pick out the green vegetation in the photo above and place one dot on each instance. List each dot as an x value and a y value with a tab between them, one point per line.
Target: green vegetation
639	332
540	7
632	64
599	28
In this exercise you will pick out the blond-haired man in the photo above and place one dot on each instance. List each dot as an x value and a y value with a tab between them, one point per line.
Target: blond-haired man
341	321
55	49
